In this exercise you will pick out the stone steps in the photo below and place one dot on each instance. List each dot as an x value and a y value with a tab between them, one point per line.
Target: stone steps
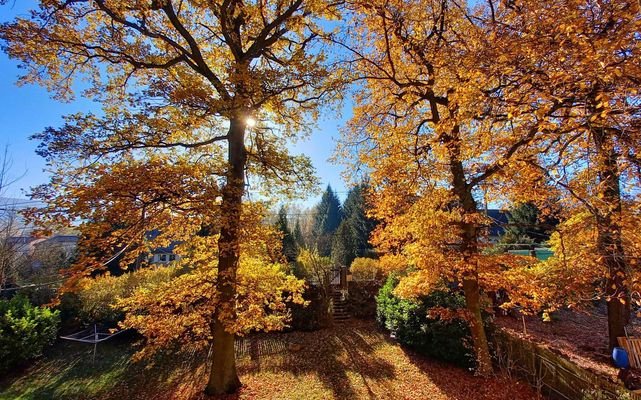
341	313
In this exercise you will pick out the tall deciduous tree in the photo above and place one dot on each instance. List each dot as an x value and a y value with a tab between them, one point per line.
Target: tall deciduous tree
435	121
588	54
181	83
11	262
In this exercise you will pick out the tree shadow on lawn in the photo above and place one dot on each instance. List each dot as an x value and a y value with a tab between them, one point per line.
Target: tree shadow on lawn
460	384
349	361
340	357
179	372
67	371
333	356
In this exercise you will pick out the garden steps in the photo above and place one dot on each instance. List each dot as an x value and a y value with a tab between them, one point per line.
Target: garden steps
340	307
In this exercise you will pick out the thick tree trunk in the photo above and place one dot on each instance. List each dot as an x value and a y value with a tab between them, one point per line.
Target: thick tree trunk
223	377
469	248
473	304
609	242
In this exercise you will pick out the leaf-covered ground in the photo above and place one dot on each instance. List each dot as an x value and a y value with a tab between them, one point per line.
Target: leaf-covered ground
352	361
579	336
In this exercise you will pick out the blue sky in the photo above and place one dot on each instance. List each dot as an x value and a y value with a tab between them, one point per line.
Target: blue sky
28	109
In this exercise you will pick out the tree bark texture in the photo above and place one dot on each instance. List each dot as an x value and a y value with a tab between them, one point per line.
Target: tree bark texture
609	240
469	247
223	376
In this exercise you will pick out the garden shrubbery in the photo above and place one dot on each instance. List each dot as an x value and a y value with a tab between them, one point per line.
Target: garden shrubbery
448	340
366	269
97	298
313	316
362	298
25	330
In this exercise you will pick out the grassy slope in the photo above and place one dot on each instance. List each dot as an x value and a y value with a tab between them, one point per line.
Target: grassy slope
349	362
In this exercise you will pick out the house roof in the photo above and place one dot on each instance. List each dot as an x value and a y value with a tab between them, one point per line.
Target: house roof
153	234
21	240
166	250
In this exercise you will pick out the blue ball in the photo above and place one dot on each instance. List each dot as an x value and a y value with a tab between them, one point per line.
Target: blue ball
620	357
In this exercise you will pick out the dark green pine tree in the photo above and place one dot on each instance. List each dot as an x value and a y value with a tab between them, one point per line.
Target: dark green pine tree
290	248
343	247
360	226
525	226
298	234
326	220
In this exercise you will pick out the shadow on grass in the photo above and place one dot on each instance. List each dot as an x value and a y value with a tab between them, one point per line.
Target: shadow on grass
351	361
67	371
461	384
339	357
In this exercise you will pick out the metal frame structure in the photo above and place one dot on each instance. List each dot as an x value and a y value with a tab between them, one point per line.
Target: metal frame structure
91	336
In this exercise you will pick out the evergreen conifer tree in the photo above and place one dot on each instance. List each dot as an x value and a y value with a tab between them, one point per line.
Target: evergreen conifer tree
290	248
360	226
343	247
328	216
525	225
298	234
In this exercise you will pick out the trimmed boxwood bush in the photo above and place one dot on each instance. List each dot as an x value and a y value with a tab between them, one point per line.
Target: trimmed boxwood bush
25	330
408	320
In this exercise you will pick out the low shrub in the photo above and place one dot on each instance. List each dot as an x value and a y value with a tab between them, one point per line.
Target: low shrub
70	308
313	316
97	297
408	320
365	269
362	298
39	296
25	330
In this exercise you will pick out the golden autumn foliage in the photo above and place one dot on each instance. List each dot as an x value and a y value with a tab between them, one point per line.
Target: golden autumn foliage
99	296
150	295
456	104
363	268
508	100
171	149
315	267
575	274
175	303
435	122
180	310
589	61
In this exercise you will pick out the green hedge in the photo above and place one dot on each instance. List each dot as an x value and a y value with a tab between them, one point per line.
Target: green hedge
407	319
25	330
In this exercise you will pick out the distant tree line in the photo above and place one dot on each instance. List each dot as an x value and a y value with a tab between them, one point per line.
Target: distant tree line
335	230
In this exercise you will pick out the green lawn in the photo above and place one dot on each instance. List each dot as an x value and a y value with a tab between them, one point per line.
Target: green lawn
353	361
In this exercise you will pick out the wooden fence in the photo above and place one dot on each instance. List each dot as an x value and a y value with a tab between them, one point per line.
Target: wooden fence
552	375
